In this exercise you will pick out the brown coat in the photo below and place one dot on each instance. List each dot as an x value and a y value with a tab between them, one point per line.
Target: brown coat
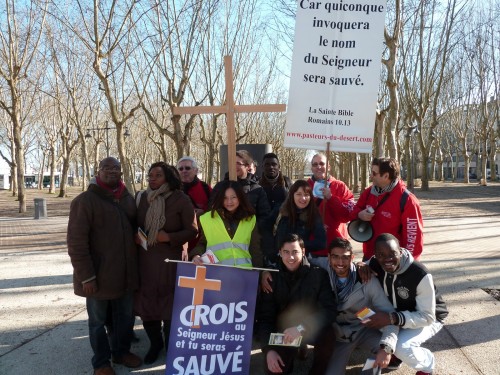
101	242
155	297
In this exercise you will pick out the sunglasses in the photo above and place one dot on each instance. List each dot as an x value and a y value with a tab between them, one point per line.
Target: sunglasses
186	168
321	164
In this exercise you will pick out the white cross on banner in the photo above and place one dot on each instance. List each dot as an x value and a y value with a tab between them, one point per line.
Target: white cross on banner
335	75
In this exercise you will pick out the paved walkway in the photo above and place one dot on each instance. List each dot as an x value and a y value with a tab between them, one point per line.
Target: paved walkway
43	325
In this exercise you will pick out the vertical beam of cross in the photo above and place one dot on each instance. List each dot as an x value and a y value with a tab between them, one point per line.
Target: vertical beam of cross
229	109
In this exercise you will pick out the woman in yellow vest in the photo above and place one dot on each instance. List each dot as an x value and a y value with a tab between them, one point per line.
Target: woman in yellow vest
227	229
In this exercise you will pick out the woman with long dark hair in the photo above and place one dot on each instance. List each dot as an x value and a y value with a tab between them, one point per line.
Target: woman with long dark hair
227	229
299	215
167	217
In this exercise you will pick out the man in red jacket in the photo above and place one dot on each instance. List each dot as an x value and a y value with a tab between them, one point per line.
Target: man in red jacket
199	191
334	201
396	210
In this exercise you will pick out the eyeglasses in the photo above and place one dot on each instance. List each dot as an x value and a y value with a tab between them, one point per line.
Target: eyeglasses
321	164
114	168
186	168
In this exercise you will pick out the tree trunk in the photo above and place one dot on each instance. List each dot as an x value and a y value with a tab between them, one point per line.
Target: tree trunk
21	187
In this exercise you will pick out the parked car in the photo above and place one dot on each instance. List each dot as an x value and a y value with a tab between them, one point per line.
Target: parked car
472	176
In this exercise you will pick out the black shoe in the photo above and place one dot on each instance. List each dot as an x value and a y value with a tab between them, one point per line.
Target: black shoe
152	354
394	363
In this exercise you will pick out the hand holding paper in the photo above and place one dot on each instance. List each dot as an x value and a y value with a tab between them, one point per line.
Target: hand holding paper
365	313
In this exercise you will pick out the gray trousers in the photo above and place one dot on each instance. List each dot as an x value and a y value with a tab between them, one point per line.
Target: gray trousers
366	338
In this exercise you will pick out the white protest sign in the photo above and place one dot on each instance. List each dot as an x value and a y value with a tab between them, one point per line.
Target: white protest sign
335	74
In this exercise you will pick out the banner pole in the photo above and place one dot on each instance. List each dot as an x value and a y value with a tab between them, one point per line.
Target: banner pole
224	265
327	167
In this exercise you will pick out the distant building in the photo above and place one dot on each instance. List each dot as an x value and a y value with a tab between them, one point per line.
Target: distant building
4	175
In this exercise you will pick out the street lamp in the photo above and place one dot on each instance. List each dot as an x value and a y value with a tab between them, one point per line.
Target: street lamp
107	129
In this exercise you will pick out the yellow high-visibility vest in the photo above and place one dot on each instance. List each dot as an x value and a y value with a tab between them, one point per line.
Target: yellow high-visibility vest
230	251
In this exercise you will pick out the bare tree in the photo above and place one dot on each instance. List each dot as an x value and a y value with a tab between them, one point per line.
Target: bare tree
389	116
174	50
430	35
21	29
108	31
74	95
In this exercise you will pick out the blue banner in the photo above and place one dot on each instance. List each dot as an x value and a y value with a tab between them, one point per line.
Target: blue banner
212	320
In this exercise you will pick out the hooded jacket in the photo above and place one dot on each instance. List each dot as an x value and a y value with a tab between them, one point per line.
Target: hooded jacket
412	292
371	295
101	242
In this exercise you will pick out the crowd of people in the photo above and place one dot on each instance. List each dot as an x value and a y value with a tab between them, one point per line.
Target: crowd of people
117	245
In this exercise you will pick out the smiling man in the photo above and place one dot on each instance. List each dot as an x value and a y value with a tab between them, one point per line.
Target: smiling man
101	227
397	211
301	304
335	203
420	310
352	296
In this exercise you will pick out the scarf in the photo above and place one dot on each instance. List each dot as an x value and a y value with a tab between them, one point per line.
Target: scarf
116	191
378	191
344	289
155	216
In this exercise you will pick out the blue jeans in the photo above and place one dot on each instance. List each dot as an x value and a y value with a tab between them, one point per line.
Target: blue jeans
123	323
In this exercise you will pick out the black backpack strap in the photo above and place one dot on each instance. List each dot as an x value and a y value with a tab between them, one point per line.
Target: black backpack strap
206	189
404	199
402	203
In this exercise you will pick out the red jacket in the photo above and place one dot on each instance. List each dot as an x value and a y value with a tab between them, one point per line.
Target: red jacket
199	197
198	194
407	226
336	213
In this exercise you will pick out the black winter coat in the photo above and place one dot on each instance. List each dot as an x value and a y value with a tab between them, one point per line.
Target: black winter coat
302	297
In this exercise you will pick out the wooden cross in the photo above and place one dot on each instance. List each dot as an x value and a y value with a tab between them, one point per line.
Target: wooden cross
229	109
